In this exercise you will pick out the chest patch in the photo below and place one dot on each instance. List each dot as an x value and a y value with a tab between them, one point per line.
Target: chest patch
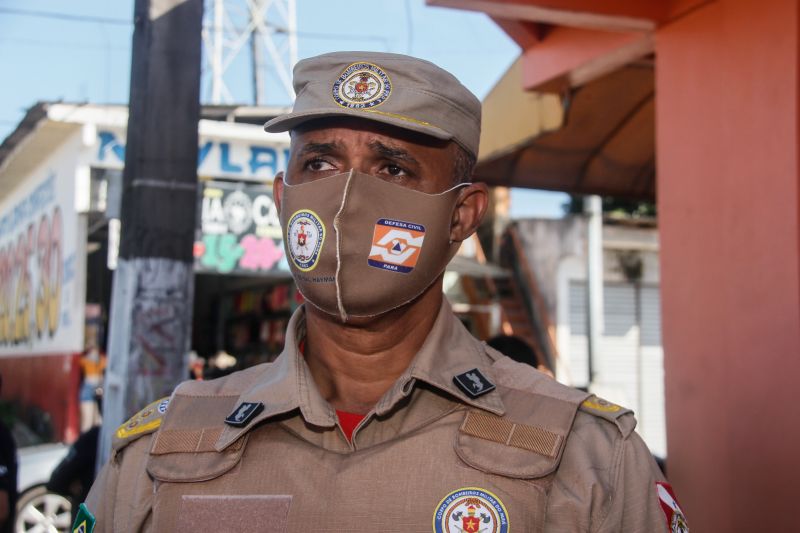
473	383
470	510
244	413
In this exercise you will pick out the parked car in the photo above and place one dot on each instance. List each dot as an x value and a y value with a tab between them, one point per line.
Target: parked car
39	510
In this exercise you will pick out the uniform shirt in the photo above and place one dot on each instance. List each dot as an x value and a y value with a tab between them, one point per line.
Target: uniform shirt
507	449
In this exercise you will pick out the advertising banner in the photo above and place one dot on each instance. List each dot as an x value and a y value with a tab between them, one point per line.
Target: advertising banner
239	230
41	272
216	158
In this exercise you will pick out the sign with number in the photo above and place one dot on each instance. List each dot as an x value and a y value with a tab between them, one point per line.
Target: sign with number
41	306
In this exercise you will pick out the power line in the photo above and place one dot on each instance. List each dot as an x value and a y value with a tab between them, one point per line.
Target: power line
127	22
64	44
65	16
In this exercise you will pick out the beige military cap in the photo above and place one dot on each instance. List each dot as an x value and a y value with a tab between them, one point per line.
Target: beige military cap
394	89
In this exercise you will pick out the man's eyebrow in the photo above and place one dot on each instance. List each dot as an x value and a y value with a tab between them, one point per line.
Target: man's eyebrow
318	148
395	153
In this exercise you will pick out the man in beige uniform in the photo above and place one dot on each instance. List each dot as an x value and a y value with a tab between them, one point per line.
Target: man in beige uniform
382	414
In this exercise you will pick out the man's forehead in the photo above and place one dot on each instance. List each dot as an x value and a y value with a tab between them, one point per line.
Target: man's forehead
343	130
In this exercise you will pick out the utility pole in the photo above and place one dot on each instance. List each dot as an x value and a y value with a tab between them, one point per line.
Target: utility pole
151	306
594	288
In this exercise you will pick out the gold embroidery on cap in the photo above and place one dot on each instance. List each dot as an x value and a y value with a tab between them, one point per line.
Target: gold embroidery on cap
401	117
496	429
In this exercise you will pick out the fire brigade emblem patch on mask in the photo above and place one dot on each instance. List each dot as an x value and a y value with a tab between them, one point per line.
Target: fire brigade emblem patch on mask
305	234
676	521
396	245
470	510
362	86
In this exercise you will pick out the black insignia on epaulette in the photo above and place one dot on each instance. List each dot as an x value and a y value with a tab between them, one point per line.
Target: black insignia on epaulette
244	413
473	383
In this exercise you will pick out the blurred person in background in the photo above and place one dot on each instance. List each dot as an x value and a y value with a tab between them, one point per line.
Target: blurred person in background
520	351
93	365
73	476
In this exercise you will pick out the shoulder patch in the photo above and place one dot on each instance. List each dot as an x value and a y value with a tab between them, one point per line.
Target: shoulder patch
612	412
145	421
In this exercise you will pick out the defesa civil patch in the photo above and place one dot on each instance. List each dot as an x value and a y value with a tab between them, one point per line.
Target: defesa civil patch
396	245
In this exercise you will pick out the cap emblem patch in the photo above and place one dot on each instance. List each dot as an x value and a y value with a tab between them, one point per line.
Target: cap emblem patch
396	245
362	86
469	510
305	234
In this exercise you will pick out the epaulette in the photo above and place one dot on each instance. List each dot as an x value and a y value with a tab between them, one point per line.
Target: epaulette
142	423
528	439
612	412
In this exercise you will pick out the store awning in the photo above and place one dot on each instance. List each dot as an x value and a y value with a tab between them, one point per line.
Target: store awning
604	145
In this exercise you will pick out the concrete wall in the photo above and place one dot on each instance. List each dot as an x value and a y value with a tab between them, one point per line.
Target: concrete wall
556	252
727	144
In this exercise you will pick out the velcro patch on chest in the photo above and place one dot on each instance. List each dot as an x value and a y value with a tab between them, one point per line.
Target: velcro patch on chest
187	441
497	429
494	444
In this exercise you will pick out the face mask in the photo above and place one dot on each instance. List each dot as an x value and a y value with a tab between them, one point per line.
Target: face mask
360	246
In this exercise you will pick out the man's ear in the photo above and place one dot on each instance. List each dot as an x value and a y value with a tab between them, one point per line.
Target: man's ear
277	191
470	208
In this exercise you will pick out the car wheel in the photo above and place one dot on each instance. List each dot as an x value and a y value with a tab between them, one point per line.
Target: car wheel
40	511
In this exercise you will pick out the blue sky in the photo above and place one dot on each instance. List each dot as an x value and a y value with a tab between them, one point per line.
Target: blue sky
54	55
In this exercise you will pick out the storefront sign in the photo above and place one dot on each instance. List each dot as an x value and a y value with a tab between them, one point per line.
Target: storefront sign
239	230
41	306
217	158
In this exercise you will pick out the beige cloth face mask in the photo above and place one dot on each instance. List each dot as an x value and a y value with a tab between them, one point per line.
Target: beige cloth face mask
359	246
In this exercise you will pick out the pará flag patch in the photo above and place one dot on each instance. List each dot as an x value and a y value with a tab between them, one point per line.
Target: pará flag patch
676	521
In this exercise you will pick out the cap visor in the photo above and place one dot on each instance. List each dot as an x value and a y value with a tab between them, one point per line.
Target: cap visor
293	120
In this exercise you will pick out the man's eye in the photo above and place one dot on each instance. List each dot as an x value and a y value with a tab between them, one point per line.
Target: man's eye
394	170
318	165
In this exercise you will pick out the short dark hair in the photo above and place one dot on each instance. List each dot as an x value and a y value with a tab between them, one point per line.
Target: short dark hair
463	165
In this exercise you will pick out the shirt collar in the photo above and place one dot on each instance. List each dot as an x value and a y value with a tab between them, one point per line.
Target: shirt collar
284	386
449	350
287	384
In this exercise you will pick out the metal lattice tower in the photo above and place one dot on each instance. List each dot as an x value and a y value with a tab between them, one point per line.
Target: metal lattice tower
253	40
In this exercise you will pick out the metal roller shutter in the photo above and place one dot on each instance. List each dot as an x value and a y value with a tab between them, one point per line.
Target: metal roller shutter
629	368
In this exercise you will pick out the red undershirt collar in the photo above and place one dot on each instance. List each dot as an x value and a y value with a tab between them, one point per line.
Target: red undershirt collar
347	421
